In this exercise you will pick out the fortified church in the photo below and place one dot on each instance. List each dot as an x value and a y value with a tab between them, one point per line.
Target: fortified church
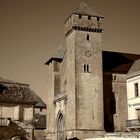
87	93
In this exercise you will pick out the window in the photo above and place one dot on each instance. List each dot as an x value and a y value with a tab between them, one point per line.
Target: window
87	68
114	77
136	88
87	37
89	17
98	18
138	113
80	16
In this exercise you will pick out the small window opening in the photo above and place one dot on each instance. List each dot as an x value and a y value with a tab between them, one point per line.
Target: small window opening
114	77
87	68
89	17
87	37
84	67
80	16
41	109
136	89
98	18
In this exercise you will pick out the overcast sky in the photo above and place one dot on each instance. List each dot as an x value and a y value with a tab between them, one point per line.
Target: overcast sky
32	30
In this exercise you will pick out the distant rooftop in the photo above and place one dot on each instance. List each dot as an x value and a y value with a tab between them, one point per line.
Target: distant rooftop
7	81
135	69
13	92
84	9
58	56
118	62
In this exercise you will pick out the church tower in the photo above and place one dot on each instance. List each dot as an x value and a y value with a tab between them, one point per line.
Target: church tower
75	81
84	109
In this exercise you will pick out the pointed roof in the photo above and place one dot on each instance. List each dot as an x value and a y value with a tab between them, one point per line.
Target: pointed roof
84	9
135	69
60	53
58	56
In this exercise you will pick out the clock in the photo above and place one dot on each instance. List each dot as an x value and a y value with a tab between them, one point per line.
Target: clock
88	53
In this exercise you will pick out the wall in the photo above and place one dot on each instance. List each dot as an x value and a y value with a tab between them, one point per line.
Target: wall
9	112
115	102
50	104
28	113
89	86
133	101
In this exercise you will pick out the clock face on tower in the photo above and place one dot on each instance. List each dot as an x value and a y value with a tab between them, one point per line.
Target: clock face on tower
88	53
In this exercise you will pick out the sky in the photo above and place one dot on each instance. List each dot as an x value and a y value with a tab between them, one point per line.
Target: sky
31	31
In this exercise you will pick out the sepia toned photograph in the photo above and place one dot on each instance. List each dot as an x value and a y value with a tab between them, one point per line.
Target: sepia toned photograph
69	70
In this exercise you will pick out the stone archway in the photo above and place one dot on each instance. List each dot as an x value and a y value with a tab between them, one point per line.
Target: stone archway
60	127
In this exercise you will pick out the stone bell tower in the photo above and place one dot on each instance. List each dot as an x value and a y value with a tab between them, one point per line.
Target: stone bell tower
84	108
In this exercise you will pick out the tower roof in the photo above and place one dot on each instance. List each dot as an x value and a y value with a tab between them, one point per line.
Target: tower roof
58	56
84	9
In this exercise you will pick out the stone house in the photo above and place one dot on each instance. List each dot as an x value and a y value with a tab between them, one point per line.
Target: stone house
19	104
87	93
133	96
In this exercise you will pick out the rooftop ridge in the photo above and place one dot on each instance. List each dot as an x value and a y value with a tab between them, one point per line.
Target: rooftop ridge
135	67
6	81
84	9
58	55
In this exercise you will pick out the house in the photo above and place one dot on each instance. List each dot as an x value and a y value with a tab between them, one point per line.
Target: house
39	119
133	96
18	103
87	91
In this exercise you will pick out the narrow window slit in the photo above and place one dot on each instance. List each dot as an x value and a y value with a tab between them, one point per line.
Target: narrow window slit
87	37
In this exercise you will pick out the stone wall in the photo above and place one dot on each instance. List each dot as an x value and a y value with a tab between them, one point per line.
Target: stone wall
50	105
115	102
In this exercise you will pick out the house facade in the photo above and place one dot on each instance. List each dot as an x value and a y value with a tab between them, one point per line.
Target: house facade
87	92
133	96
18	104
